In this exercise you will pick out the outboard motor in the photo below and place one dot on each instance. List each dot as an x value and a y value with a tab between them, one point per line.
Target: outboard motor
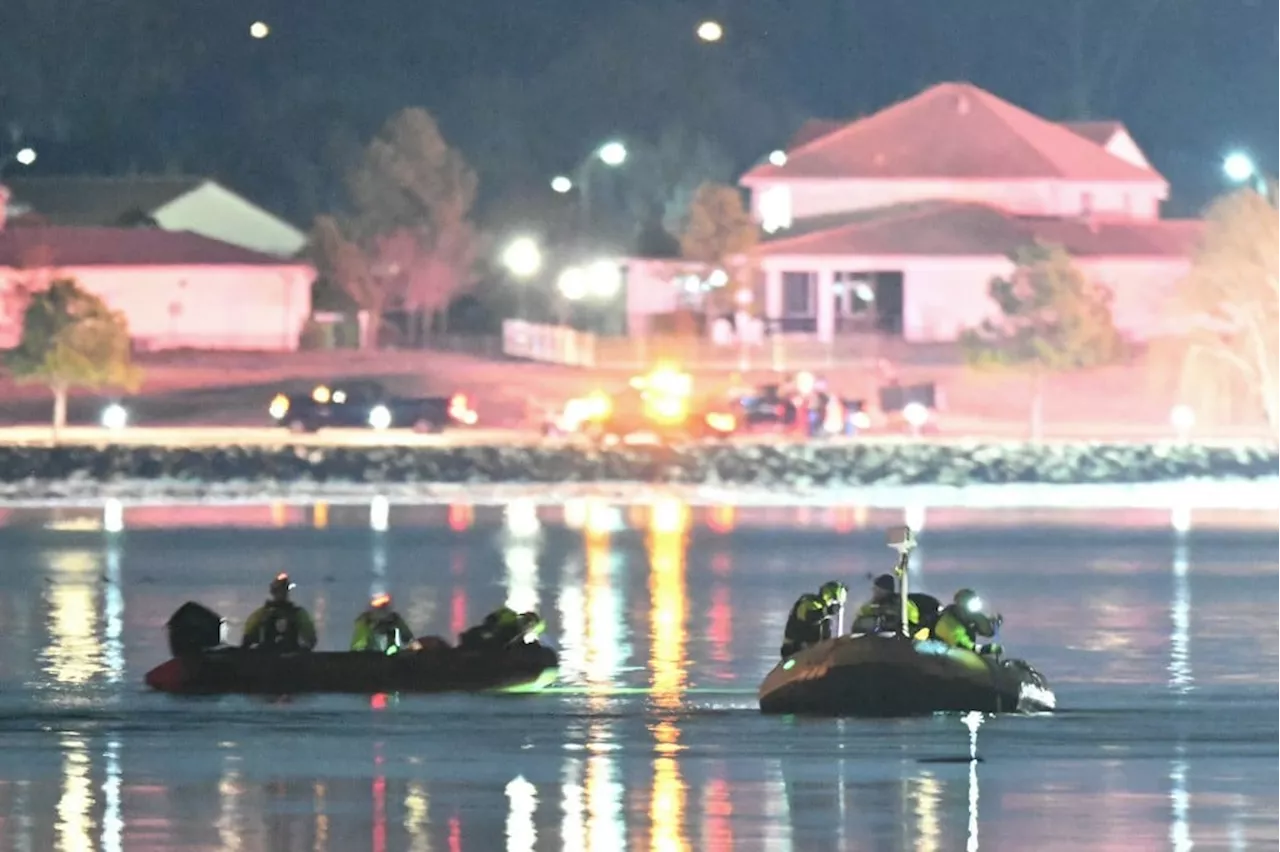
194	629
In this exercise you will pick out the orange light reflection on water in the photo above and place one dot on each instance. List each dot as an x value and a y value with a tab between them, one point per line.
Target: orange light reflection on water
717	814
668	621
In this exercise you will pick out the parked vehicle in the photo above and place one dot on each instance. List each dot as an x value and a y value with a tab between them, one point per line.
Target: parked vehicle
365	404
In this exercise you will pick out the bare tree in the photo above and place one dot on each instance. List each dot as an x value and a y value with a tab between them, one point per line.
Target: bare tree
1228	311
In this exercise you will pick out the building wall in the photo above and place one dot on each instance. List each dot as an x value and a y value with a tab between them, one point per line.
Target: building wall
220	214
215	307
652	288
943	296
1031	198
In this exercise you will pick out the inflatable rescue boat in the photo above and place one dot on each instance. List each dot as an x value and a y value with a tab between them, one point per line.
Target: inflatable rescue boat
203	664
888	673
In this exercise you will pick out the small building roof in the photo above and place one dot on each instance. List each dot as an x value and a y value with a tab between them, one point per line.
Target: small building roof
1097	132
94	201
958	229
72	246
953	131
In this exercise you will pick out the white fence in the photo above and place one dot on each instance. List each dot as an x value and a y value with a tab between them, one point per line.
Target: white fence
551	344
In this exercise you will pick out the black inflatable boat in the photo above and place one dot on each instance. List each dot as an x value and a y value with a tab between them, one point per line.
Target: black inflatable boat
891	675
203	665
888	673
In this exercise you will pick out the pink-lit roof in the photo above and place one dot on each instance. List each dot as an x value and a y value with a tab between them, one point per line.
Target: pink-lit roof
62	246
953	131
1097	132
957	229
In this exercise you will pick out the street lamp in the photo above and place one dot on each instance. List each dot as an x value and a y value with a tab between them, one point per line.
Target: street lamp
710	31
259	30
573	283
612	154
1239	167
23	157
778	158
522	257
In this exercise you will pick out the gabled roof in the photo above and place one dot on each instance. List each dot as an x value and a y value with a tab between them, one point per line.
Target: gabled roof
958	229
953	131
1097	132
95	201
813	129
78	247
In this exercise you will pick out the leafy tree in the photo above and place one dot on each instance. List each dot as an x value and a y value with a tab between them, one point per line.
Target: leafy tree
1228	310
720	233
70	338
1052	318
408	241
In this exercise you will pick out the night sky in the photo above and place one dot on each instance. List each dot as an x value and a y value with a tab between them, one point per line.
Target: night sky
526	89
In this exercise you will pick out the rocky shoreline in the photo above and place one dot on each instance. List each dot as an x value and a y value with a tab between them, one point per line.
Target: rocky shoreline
761	466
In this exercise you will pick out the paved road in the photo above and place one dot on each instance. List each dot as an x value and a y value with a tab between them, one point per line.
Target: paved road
211	436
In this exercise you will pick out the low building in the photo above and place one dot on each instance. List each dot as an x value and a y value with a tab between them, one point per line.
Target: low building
192	204
177	289
897	222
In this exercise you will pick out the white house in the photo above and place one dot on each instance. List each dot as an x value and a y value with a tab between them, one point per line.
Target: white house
898	221
177	289
194	204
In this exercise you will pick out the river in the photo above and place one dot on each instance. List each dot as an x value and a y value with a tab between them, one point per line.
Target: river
1158	632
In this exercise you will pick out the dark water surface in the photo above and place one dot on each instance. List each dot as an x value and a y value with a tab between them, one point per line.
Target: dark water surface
1158	633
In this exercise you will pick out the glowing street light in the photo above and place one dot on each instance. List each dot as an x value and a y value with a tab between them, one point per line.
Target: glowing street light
604	279
259	29
613	153
710	31
573	283
1239	167
26	156
778	158
561	184
522	257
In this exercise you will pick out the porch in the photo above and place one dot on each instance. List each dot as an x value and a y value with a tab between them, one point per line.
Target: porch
834	304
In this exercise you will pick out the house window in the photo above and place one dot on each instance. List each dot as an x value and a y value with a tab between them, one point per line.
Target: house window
1086	203
855	292
775	209
797	293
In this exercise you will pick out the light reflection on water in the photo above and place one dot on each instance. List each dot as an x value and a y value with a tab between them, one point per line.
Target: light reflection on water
655	742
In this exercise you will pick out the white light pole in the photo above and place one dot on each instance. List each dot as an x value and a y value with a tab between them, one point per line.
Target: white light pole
612	154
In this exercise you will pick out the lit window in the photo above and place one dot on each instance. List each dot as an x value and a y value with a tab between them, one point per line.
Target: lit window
775	208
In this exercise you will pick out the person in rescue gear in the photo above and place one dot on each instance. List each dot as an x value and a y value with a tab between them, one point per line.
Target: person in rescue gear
501	628
380	628
963	620
883	613
812	618
280	624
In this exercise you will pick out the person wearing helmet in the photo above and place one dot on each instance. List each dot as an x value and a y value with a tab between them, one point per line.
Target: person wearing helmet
502	628
280	624
883	613
380	628
812	617
963	620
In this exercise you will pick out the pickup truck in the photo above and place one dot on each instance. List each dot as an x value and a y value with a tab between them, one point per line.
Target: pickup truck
365	404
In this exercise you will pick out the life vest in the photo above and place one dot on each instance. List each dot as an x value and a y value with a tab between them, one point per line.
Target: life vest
279	628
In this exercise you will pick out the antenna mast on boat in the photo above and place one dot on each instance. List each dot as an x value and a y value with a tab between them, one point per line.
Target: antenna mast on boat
902	540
